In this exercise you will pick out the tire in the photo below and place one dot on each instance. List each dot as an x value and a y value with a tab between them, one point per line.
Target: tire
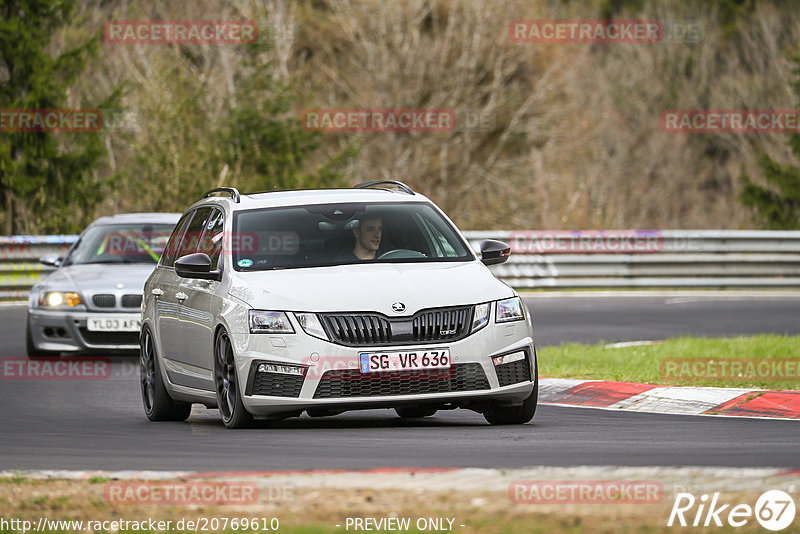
415	412
516	415
31	349
226	384
158	405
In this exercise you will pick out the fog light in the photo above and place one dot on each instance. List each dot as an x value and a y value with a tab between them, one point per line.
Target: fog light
281	369
508	358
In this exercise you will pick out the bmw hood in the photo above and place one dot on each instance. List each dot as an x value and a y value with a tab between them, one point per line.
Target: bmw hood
99	278
370	287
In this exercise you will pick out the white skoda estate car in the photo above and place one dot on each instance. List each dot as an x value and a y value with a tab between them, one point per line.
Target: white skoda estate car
272	304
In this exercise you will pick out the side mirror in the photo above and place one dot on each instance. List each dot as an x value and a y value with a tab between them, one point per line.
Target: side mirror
494	252
196	265
51	260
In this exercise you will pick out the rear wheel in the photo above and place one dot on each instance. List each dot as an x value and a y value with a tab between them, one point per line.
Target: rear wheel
415	412
158	405
229	400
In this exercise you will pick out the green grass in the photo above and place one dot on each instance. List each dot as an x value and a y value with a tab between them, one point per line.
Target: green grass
13	479
683	361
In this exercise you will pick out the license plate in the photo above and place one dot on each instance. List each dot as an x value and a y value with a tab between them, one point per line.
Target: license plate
113	324
377	362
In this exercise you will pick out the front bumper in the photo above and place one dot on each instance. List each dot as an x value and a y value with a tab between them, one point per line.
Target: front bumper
332	379
66	331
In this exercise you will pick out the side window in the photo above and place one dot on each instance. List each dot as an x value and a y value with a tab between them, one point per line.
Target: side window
194	231
171	250
211	243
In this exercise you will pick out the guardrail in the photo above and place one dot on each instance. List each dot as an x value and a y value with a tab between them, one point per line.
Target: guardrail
556	259
643	259
19	261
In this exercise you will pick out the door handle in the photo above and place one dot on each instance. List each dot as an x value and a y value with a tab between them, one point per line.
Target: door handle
181	295
156	292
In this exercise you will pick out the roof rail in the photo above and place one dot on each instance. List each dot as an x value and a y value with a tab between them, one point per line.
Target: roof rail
232	191
400	185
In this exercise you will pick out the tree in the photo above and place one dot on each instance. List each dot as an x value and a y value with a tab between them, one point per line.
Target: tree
252	140
777	205
263	141
47	180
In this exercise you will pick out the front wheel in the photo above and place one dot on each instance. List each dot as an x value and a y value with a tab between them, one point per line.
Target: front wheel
514	415
229	400
158	405
517	415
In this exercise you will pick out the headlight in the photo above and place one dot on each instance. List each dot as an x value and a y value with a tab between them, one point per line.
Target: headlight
269	322
311	325
509	310
480	316
57	299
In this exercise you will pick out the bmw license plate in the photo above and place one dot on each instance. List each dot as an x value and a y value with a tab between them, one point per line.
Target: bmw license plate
113	324
377	362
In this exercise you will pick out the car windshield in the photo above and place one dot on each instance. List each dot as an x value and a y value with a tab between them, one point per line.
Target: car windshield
120	243
336	234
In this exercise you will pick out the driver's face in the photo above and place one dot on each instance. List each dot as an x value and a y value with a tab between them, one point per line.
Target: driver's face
368	234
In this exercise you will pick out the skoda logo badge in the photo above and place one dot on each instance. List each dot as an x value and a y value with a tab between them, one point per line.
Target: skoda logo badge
398	307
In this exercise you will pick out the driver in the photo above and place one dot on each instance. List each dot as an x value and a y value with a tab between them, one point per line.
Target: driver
368	239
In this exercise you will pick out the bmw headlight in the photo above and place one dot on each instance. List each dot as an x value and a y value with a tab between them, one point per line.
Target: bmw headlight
311	325
269	322
59	299
480	317
509	310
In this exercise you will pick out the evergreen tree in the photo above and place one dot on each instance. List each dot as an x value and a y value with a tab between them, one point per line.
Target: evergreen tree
264	142
47	181
778	204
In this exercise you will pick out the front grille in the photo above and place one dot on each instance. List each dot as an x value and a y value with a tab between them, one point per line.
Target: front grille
426	326
513	372
276	385
358	329
104	300
430	325
131	301
109	338
352	383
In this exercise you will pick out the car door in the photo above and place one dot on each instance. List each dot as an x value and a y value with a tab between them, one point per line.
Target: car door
172	342
201	304
162	290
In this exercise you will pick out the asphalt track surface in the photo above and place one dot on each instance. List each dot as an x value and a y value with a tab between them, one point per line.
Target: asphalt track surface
100	425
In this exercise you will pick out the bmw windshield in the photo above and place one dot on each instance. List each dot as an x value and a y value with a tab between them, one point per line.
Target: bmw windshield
336	234
120	243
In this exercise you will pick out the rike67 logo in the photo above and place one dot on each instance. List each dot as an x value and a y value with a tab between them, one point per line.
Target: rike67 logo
774	510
